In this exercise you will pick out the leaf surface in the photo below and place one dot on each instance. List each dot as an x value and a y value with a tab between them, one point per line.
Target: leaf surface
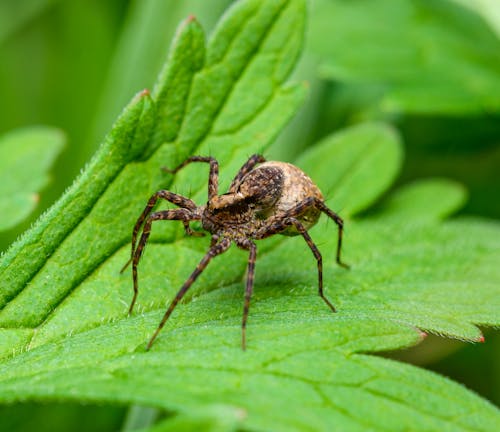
347	179
423	200
25	157
65	331
424	57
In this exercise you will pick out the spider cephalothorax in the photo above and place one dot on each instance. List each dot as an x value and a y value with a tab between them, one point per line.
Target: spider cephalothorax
266	199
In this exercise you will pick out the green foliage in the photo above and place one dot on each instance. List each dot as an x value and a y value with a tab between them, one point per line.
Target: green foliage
424	200
65	333
213	418
14	14
25	157
424	57
147	31
366	160
66	416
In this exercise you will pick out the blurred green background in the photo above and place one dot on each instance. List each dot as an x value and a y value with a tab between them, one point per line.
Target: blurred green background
432	69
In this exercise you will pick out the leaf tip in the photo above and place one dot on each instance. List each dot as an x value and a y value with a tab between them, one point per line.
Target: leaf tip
190	21
140	96
422	335
480	339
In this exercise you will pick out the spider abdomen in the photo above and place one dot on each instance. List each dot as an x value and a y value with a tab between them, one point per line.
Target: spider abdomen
281	187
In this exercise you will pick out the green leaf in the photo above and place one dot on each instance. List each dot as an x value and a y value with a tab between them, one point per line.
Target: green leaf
24	260
212	418
426	57
97	212
148	27
487	9
25	157
65	330
360	151
424	200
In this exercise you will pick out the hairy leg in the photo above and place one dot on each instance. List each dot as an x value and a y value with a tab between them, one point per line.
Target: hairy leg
212	252
250	246
178	200
189	231
177	214
317	254
245	169
278	224
320	205
299	208
213	176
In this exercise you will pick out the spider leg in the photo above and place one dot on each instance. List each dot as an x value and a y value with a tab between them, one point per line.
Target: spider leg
215	250
299	208
320	205
189	231
278	224
214	240
317	254
178	200
244	170
213	176
250	246
177	214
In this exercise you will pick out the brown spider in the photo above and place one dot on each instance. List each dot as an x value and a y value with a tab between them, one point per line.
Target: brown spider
273	198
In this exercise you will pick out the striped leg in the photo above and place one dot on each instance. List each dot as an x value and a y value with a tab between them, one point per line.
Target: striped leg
189	231
299	209
320	205
213	176
212	252
177	214
317	255
178	200
250	246
244	170
279	224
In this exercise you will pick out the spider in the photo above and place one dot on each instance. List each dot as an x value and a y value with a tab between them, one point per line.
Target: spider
271	198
